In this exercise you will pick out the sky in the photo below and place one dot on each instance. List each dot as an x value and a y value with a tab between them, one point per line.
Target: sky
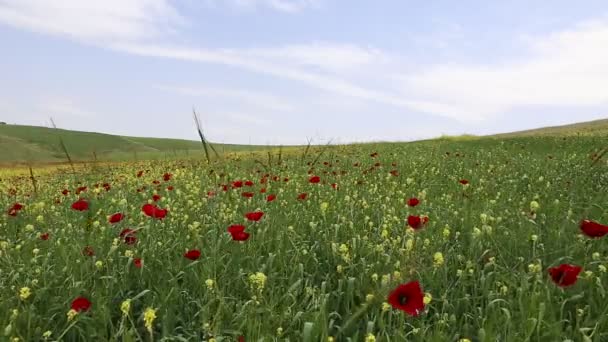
284	71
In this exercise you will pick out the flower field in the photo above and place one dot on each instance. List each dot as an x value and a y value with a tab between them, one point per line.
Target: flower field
482	240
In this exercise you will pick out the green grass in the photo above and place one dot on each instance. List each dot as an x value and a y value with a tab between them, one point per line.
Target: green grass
590	128
328	272
32	144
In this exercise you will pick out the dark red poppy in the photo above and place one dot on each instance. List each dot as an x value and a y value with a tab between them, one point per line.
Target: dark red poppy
247	194
129	236
167	177
81	304
237	184
44	236
565	275
14	209
156	197
138	262
210	194
88	251
116	218
374	155
463	181
314	179
107	186
170	188
593	229
139	174
248	183
334	185
156	182
225	187
192	254
241	338
65	192
254	216
285	179
263	190
271	197
81	189
154	211
302	196
80	205
394	173
238	233
407	297
415	221
412	202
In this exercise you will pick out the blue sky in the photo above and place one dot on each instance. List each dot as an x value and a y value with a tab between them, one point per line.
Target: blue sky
282	71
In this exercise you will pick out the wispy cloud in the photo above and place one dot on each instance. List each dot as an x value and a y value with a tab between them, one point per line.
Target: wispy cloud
249	97
290	6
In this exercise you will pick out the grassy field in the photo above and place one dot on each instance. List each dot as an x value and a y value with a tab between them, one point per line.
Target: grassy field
320	268
38	145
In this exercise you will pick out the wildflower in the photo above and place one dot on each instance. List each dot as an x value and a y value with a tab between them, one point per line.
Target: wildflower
414	221
80	205
14	209
129	253
44	236
149	317
47	334
463	182
88	251
25	293
302	196
209	283
412	202
192	254
254	216
99	264
438	259
81	304
408	298
565	275
257	281
370	338
71	314
125	307
386	306
116	218
138	262
154	211
271	198
324	206
593	229
314	179
428	298
369	298
128	235
238	232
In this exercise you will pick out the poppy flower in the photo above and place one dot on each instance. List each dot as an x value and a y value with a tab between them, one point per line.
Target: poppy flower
238	232
314	179
44	236
116	218
170	188
88	251
302	196
412	202
463	181
81	304
80	205
210	194
107	186
65	192
565	274
137	262
192	254
408	298
248	194
334	186
154	211
129	236
248	183
271	197
374	155
156	197
263	190
81	189
237	184
14	209
395	173
139	174
254	216
593	229
415	221
167	177
156	182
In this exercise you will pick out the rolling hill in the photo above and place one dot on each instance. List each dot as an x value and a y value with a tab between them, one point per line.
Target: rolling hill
589	128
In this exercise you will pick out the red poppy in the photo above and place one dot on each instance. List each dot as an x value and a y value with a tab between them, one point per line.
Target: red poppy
241	338
155	182
285	179
237	184
192	254
14	209
415	221
65	192
271	197
170	188
334	185
249	183
314	179
139	174
248	194
88	251
167	177
138	262
412	202
210	194
374	155
156	198
407	297
81	189
80	205
238	232
44	236
593	229
395	173
107	186
263	190
565	274
254	216
463	181
81	304
129	235
116	218
154	211
302	196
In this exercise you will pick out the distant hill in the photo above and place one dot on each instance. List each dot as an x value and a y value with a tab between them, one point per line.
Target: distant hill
589	128
24	144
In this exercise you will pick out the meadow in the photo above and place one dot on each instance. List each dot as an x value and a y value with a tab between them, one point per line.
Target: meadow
439	240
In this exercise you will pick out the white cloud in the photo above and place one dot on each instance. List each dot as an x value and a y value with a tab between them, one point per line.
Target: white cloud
568	68
92	21
290	6
255	98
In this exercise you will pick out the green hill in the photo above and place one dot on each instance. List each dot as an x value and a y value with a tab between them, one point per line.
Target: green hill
27	144
589	128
